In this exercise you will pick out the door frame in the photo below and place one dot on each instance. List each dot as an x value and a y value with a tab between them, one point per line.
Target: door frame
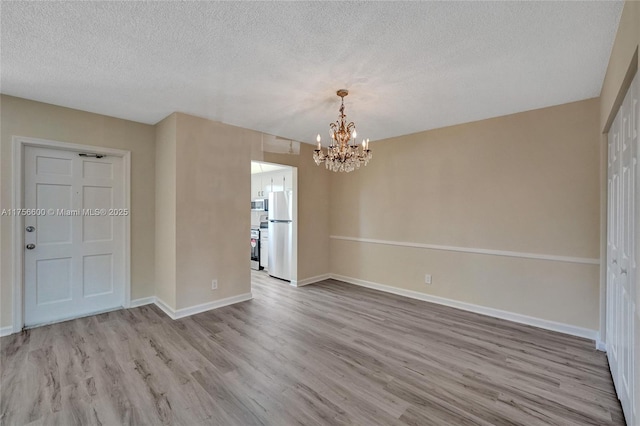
294	217
17	222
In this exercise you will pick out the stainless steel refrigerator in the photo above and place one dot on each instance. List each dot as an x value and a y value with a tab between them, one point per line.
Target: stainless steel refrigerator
280	234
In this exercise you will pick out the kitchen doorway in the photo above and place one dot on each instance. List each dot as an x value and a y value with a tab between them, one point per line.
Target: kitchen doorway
274	221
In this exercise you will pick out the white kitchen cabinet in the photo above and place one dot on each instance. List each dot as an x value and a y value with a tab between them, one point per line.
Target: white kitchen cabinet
281	181
258	188
289	181
264	183
276	182
267	183
254	186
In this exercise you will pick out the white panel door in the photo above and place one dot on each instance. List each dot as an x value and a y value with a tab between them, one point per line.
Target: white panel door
74	243
613	236
622	268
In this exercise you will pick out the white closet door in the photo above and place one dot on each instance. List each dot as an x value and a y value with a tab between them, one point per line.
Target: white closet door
74	257
621	250
613	232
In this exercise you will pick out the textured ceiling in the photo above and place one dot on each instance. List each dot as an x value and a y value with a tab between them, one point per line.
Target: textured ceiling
275	67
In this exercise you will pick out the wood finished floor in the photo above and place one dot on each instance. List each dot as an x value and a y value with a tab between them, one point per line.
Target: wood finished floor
324	354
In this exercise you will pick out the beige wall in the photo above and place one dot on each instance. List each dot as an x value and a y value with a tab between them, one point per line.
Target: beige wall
313	209
190	194
621	69
22	117
622	64
522	183
165	211
213	170
212	218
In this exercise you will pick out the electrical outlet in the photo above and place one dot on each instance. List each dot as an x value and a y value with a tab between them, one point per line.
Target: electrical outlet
427	278
214	284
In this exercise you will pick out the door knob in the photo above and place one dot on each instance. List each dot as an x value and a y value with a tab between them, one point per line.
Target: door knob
30	229
31	246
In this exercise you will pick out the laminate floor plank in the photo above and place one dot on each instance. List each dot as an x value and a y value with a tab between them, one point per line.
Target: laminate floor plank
324	354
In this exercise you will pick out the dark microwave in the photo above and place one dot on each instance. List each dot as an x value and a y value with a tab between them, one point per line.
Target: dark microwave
261	205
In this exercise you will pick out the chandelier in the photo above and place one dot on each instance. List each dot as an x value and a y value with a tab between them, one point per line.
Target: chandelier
340	156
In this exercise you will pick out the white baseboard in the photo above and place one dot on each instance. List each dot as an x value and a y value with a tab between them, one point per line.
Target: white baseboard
164	307
173	314
142	301
192	310
492	312
600	345
311	280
